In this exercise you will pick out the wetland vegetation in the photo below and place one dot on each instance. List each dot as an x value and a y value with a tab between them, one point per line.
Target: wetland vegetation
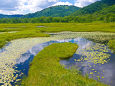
101	32
31	30
46	70
111	44
58	46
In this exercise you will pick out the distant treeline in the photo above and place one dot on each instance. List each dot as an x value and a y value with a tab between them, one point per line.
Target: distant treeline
80	19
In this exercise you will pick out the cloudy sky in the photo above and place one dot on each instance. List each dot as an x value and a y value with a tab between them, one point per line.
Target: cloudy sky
31	6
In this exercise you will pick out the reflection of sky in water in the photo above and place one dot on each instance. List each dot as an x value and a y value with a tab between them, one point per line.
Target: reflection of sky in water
101	70
87	60
33	51
79	60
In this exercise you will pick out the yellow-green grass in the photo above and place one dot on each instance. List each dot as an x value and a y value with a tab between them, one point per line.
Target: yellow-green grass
111	44
6	37
31	30
45	69
57	27
79	27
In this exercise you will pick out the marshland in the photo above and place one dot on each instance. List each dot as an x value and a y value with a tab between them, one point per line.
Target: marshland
59	54
57	42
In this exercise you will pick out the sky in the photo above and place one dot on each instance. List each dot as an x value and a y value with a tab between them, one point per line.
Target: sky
30	6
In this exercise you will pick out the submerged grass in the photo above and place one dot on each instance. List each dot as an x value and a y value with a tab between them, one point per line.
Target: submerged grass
45	69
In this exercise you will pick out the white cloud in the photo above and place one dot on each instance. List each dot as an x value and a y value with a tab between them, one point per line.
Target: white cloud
62	3
82	3
24	6
30	6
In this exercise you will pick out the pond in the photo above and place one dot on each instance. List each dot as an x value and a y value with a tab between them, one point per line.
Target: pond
93	59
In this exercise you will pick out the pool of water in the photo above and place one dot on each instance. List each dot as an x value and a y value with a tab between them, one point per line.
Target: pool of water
93	59
88	60
40	26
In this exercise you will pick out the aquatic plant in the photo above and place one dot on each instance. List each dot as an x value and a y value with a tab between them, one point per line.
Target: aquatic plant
96	54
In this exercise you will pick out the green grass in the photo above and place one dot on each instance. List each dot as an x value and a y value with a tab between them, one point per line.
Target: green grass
111	44
58	27
31	30
79	27
6	37
45	69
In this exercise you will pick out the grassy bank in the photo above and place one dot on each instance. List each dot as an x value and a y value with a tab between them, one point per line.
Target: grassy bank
111	44
6	37
45	69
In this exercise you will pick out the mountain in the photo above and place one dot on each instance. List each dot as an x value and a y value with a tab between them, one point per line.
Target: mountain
54	11
97	6
106	14
105	11
10	16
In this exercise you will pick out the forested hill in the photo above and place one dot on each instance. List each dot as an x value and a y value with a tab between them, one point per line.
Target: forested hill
105	11
10	16
99	11
106	14
97	6
54	11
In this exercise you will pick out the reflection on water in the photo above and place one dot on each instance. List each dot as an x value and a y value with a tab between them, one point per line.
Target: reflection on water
40	26
93	59
23	62
90	58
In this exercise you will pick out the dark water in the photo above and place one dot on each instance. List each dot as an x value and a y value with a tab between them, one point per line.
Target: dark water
83	60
